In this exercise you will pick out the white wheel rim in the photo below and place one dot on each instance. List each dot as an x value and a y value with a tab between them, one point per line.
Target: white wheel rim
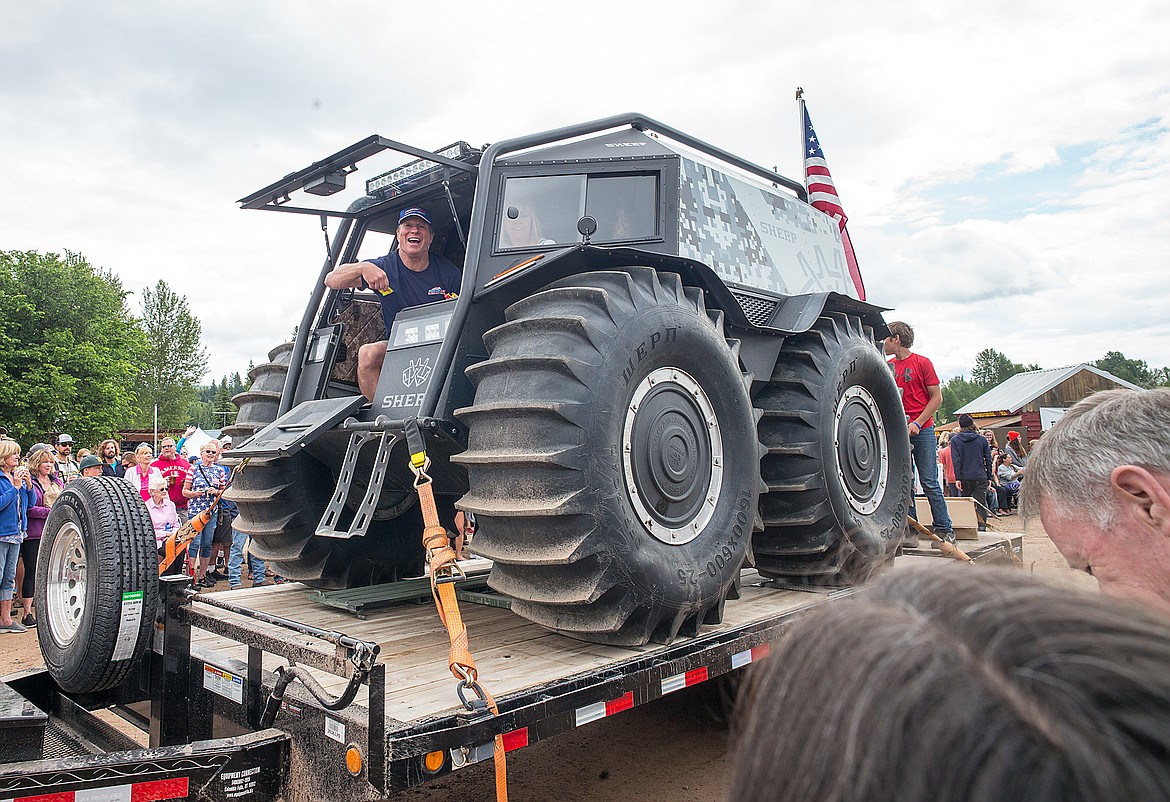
691	529
858	394
65	589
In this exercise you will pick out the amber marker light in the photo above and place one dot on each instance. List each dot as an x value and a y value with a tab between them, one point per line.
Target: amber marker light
514	269
433	761
353	760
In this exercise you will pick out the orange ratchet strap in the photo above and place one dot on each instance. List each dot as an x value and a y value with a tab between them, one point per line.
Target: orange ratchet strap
443	572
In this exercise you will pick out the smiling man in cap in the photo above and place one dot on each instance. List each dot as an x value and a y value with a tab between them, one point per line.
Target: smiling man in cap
410	275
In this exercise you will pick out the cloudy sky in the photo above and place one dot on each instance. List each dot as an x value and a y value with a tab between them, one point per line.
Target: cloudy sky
1005	165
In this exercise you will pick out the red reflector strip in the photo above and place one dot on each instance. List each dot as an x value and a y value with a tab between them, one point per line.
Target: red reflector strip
153	791
680	681
623	702
64	796
515	739
158	790
749	656
599	710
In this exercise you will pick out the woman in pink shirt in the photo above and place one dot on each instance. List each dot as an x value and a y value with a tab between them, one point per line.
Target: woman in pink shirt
140	475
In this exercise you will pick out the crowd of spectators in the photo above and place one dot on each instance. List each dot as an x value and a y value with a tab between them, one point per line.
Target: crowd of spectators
171	487
992	476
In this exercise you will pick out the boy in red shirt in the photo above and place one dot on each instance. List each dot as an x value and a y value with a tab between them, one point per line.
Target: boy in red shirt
921	397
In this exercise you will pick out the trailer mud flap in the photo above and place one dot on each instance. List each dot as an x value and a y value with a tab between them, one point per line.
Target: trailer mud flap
248	768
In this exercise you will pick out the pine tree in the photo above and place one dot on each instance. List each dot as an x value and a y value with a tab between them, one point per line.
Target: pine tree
175	358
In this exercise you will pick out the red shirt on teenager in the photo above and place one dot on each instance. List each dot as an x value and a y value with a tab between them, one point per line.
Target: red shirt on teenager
175	472
913	375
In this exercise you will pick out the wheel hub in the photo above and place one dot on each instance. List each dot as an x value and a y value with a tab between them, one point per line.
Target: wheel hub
66	586
860	445
672	455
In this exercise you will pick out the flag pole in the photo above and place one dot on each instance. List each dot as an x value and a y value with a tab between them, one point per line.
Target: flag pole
800	125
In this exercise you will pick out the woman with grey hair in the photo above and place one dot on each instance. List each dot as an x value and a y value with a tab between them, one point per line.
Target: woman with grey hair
961	684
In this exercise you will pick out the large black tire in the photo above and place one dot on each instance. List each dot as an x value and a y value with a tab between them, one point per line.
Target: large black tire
257	406
96	584
612	458
281	502
837	466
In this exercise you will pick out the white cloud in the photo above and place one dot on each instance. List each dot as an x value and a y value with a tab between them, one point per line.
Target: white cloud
130	129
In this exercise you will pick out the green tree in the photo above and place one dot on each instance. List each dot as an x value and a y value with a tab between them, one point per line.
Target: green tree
225	410
69	348
955	393
992	368
175	358
1135	371
202	414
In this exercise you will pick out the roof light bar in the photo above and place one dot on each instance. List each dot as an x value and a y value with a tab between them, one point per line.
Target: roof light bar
410	175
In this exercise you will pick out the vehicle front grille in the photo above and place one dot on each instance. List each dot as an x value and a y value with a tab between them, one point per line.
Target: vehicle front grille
758	310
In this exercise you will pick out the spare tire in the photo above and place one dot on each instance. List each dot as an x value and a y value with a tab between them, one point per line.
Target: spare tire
96	584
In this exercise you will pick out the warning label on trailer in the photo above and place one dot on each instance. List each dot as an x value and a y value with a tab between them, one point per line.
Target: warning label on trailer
223	683
128	626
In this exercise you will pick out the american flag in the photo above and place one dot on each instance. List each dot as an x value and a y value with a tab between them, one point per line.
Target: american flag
823	195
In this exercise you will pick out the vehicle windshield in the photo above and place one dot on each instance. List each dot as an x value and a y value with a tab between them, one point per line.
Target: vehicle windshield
543	211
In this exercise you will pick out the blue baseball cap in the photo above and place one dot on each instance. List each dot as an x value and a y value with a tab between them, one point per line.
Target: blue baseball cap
415	211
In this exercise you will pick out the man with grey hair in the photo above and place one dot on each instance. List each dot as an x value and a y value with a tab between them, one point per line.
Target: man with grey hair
1100	481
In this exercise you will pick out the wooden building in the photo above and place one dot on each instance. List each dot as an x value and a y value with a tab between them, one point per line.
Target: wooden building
1031	402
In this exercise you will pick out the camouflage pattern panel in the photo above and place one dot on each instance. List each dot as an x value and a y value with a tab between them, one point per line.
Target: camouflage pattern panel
755	236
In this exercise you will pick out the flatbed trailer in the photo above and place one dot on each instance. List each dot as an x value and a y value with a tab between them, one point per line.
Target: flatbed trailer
197	702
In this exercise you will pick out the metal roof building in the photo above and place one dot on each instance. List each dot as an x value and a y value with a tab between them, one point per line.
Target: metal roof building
1031	402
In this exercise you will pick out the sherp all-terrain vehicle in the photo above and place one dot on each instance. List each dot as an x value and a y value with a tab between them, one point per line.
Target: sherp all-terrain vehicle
657	369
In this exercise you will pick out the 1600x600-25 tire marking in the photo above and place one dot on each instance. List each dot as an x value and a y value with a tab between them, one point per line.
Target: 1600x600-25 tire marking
612	458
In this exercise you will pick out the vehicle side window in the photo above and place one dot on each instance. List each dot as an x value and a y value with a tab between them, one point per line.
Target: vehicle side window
625	207
541	211
544	210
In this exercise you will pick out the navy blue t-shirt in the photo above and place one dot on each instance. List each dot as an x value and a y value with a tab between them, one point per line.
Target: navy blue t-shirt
407	288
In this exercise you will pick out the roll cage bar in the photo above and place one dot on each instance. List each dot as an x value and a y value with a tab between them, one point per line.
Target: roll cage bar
276	197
